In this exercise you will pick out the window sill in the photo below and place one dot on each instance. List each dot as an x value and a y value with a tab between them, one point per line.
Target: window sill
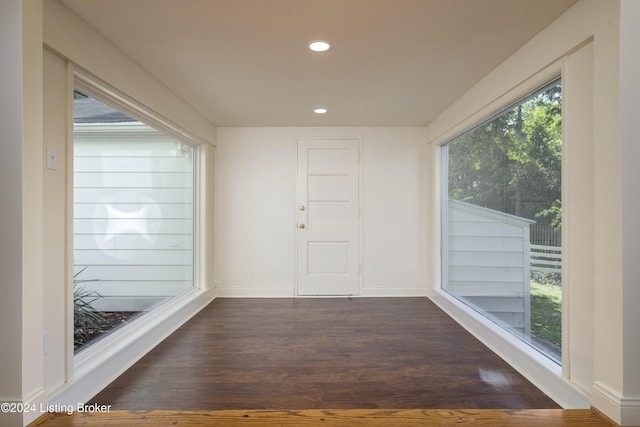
531	363
104	361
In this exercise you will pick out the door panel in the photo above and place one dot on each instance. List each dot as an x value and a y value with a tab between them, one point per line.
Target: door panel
328	188
328	257
329	162
327	214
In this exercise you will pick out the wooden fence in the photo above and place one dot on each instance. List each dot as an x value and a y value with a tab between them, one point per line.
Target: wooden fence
546	235
546	259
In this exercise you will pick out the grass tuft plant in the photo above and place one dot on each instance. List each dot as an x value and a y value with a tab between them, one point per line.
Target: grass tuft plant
85	316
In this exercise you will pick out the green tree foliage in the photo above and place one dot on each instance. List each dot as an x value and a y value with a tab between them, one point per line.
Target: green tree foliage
513	163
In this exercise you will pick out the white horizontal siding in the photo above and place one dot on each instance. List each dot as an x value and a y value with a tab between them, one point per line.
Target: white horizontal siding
488	263
503	311
498	304
133	217
148	288
126	146
487	258
487	243
126	164
497	289
90	241
483	229
141	226
137	195
120	257
132	273
132	180
101	210
482	274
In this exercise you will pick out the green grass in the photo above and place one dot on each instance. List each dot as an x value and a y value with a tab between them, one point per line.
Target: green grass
546	312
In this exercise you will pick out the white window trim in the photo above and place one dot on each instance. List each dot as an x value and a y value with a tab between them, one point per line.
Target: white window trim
102	91
534	365
95	367
502	103
444	207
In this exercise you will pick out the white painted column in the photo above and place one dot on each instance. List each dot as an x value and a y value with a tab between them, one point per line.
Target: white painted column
630	147
607	386
616	390
11	207
21	318
33	166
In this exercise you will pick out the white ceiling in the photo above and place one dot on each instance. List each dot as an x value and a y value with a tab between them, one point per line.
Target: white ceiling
246	63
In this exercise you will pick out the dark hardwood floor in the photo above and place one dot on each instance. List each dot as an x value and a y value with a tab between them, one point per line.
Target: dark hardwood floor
291	354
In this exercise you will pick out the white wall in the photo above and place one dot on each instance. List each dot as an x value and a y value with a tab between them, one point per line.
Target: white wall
393	240
32	206
607	229
11	203
630	111
254	210
55	199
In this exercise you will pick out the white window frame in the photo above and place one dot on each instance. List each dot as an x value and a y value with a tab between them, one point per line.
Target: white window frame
525	358
88	360
444	205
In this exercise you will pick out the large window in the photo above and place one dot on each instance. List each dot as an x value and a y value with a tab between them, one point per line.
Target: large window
133	218
502	215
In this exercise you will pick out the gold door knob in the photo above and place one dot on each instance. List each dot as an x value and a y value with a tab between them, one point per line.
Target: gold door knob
301	207
301	226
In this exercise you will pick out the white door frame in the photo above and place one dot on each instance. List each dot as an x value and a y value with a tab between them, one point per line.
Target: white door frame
360	243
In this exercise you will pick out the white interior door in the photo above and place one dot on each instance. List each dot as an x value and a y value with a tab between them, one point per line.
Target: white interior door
327	214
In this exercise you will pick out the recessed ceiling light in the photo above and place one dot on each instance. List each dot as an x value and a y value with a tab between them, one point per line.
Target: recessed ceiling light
320	110
319	46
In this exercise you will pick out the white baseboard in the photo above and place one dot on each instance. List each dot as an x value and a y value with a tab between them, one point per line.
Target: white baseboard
607	401
249	292
35	402
242	292
535	367
623	410
103	362
390	292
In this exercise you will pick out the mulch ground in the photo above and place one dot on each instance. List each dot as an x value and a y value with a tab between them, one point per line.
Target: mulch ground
111	321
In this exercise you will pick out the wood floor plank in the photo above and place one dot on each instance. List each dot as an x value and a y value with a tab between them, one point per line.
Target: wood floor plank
334	418
334	353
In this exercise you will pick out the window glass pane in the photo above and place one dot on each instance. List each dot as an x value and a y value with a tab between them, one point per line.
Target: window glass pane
133	218
502	248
